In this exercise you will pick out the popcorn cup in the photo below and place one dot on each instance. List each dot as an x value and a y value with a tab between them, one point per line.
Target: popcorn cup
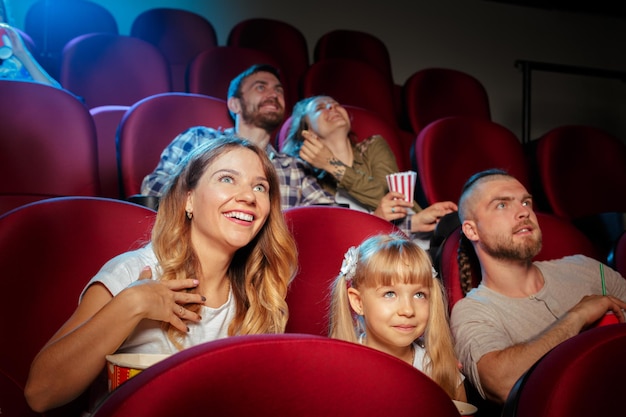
123	366
403	182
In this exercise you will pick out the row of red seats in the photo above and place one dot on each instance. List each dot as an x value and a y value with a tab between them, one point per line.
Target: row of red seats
573	171
106	69
352	66
162	37
65	152
74	236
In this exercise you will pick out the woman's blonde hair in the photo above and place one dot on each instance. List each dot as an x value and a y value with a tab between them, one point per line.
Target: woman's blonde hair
389	259
259	273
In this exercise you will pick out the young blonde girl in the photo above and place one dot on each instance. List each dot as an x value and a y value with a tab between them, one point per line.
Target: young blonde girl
388	297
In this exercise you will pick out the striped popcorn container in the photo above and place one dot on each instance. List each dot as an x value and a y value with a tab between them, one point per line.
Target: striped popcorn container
403	182
123	366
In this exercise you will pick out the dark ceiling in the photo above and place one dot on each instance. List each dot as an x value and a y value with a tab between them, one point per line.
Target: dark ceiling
614	8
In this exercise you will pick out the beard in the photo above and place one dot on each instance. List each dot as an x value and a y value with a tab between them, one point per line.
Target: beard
505	248
267	121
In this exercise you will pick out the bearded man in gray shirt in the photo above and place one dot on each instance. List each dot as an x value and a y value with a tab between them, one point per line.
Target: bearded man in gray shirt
521	309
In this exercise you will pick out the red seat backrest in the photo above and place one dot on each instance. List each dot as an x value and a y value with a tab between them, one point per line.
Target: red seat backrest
430	94
107	120
357	45
323	234
573	192
105	69
351	82
212	70
55	246
150	125
179	34
577	377
47	145
450	150
279	375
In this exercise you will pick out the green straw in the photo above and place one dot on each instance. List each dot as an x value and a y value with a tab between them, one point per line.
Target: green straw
602	278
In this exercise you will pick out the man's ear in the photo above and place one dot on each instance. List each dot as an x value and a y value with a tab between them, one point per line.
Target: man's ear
469	230
234	105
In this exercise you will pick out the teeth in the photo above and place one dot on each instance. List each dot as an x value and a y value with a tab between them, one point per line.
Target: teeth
239	215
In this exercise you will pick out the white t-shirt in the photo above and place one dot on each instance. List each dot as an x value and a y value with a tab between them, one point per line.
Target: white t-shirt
148	337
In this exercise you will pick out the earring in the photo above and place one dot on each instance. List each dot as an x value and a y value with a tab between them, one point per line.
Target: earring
189	215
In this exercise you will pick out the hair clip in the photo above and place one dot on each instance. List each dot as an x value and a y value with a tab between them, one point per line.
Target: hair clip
348	266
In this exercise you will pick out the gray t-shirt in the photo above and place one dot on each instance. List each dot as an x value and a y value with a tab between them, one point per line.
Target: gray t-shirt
486	321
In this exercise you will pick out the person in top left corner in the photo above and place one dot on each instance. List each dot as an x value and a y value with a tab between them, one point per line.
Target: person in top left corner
16	62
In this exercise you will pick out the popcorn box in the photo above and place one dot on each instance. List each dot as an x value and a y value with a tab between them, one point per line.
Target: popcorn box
123	366
403	182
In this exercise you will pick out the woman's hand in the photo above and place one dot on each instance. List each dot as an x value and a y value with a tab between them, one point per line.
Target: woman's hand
315	152
393	206
427	219
30	63
165	300
17	44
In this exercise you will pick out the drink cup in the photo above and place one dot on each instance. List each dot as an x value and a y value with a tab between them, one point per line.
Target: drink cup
6	48
123	366
609	318
403	182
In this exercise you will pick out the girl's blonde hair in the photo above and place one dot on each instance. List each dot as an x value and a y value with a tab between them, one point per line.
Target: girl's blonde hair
391	259
259	273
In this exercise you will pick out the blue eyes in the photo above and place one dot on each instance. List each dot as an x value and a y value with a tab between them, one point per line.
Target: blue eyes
391	294
261	88
260	188
227	179
525	203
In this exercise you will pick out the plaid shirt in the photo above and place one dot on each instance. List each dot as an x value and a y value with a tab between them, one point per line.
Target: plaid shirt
297	186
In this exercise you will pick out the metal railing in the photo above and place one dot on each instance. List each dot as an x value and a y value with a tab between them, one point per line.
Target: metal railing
527	67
